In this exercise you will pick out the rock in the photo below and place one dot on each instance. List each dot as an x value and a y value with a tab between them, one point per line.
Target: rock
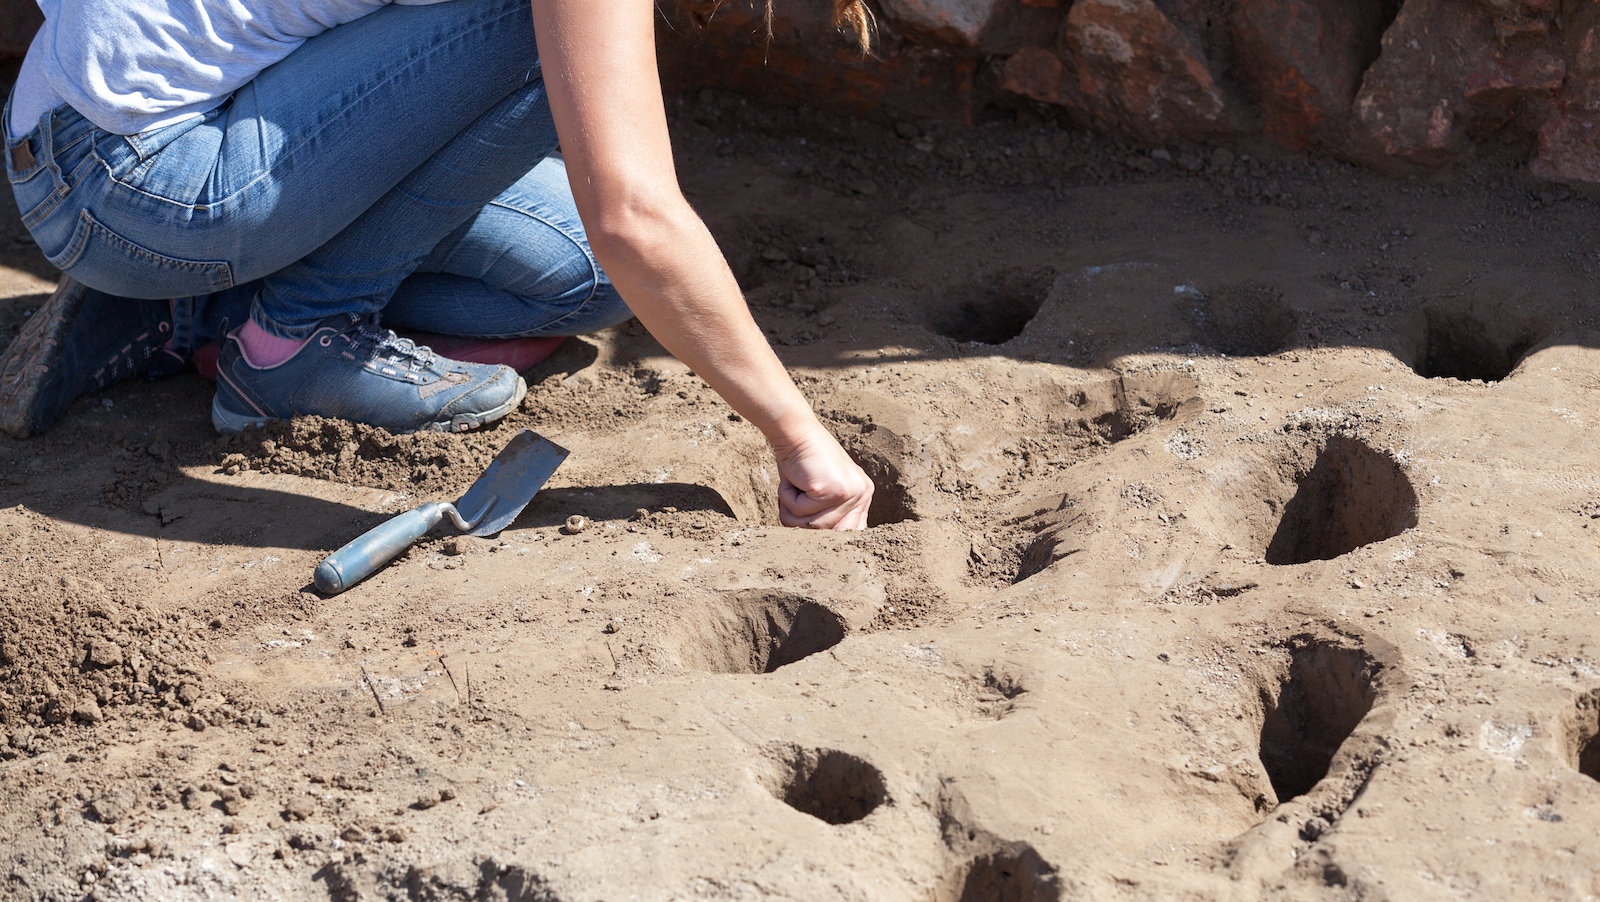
21	739
1569	141
454	545
104	653
1034	72
1301	61
1445	76
576	523
299	808
953	21
111	807
87	711
1139	75
188	694
239	852
57	711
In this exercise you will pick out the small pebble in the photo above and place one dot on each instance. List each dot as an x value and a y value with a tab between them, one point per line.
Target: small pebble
577	523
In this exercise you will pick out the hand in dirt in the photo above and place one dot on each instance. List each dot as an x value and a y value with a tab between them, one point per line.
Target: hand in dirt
820	487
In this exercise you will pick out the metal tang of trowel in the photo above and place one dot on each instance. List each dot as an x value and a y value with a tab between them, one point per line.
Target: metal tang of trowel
504	489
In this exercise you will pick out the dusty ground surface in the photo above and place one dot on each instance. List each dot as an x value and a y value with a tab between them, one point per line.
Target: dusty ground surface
1235	540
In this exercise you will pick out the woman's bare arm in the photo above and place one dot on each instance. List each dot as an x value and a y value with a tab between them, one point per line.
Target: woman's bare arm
599	65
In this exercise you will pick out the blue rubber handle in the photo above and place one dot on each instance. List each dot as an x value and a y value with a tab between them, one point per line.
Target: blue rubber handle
376	547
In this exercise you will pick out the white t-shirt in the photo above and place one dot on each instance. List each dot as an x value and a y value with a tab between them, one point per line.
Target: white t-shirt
133	65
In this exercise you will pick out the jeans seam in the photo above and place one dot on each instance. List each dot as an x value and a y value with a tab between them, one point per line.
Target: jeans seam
48	163
89	228
578	242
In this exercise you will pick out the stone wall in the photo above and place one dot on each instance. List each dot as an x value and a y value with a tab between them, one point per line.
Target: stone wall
1405	86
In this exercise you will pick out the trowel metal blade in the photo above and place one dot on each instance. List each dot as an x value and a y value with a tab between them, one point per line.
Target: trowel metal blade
512	479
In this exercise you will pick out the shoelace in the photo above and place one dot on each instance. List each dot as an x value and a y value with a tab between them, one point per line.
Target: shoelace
399	350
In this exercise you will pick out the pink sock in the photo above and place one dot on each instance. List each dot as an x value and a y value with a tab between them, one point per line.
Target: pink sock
263	349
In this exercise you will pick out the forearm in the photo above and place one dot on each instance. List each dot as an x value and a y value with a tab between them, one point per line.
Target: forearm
673	276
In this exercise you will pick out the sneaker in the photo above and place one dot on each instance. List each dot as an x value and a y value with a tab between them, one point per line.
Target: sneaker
353	370
79	342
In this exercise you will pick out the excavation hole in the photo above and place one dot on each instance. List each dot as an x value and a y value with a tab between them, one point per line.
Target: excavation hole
830	785
991	309
1241	321
1311	710
1350	496
1039	555
759	632
1110	410
1458	345
891	500
1014	873
1583	736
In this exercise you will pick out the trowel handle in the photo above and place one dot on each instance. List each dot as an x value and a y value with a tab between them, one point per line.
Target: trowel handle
376	547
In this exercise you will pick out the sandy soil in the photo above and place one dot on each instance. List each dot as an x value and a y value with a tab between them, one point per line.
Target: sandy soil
1234	540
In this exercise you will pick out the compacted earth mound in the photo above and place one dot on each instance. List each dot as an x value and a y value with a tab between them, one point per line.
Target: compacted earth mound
1235	519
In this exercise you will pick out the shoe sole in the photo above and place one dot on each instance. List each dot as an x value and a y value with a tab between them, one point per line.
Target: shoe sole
29	357
226	421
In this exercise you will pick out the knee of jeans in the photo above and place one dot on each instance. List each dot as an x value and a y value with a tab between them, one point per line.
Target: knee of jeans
609	309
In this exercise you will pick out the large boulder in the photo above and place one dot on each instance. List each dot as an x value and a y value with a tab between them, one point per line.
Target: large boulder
1569	140
1301	62
1140	75
1453	71
958	21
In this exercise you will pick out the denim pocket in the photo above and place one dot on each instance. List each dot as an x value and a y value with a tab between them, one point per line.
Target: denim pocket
101	258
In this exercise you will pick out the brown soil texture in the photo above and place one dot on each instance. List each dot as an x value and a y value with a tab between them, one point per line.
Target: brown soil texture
1234	539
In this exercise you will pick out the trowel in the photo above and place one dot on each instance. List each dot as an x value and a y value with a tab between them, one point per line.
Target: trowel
504	489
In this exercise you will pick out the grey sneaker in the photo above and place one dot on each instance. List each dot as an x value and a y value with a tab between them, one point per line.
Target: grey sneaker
353	370
79	341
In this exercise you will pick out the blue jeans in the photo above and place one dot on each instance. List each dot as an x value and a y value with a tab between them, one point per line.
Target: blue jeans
401	163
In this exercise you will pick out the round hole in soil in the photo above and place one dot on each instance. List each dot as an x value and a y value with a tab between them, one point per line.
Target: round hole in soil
1351	495
1583	736
992	308
1313	707
1013	873
830	785
1041	554
1458	345
1241	321
891	500
759	631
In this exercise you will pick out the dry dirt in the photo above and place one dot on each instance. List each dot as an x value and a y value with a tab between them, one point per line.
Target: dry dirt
1235	540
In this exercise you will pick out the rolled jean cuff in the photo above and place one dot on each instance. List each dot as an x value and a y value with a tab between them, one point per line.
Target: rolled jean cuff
271	327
